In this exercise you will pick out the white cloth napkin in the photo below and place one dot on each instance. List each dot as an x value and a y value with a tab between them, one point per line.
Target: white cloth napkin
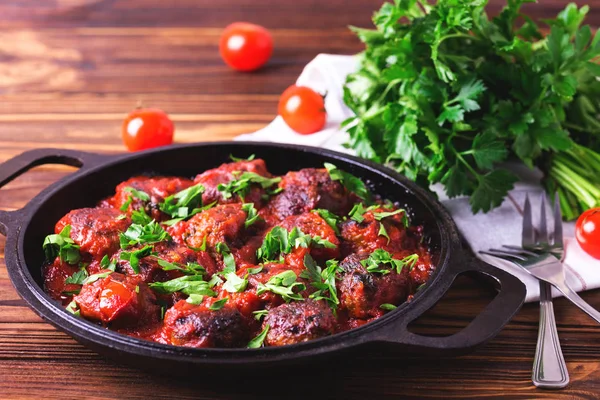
327	73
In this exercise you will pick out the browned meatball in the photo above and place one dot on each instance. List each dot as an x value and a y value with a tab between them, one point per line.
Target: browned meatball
222	223
95	230
191	325
212	178
312	224
158	188
118	300
308	189
298	321
361	292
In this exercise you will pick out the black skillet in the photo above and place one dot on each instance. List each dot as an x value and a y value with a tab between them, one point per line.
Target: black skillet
99	174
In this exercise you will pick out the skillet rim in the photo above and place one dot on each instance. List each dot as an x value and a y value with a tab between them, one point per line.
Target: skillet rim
82	329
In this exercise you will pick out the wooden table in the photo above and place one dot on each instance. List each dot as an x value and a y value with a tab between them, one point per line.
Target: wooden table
69	72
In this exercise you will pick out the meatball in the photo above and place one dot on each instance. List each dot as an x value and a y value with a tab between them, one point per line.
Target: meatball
308	189
222	223
151	271
191	325
95	230
158	188
361	292
365	237
312	224
298	321
118	300
212	178
55	275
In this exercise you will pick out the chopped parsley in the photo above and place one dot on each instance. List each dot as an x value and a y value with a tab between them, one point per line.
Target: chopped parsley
380	257
195	299
73	309
138	194
134	257
279	241
357	212
238	159
188	284
217	305
349	181
260	314
388	307
381	215
77	278
252	214
323	280
191	268
61	245
95	277
140	217
383	232
259	339
283	284
107	263
183	204
233	283
329	217
242	182
143	234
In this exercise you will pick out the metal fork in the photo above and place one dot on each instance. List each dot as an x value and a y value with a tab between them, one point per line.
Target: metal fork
549	367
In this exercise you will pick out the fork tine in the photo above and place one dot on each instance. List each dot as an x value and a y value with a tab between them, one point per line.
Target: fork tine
528	236
543	231
519	249
558	228
503	254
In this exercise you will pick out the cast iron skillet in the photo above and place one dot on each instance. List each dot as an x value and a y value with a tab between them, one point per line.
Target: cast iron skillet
99	174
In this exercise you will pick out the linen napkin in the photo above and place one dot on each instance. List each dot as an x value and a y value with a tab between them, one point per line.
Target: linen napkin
327	74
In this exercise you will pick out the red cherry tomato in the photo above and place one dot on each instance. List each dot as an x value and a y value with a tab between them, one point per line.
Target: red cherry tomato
145	128
587	232
303	109
245	46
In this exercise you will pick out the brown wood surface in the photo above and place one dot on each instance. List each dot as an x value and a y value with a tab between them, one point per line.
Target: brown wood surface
69	72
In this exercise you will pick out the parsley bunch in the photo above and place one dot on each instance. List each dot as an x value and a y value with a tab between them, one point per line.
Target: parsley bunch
445	95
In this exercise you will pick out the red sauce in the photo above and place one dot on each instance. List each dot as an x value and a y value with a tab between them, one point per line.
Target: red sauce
183	289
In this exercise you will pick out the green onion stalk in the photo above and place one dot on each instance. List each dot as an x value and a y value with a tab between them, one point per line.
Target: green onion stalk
575	175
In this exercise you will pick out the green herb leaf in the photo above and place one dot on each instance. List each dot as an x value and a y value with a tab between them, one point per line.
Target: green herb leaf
237	159
189	284
217	305
383	232
357	212
138	194
350	182
107	263
73	308
388	307
95	277
234	284
283	284
242	183
380	257
260	314
61	245
259	340
77	278
251	214
151	233
195	299
329	217
183	204
323	280
279	241
134	257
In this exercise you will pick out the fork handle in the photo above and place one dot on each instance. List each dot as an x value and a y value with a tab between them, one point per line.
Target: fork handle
578	301
549	367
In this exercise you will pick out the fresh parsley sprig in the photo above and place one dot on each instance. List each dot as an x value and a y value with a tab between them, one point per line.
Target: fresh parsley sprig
150	233
188	284
323	280
445	94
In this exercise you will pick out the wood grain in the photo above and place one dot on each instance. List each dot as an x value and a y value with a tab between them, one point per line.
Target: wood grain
69	72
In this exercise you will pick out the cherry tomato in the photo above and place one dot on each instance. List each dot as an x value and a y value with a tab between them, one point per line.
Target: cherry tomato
303	109
587	232
245	46
145	128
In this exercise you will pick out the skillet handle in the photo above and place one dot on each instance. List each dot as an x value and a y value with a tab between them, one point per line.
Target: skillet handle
510	298
22	163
